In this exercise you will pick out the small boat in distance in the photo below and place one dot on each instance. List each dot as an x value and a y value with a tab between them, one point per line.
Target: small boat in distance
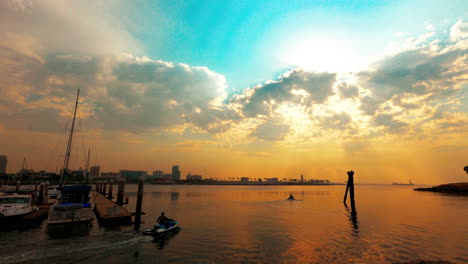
409	183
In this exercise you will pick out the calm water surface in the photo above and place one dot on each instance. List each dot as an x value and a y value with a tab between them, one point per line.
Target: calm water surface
256	224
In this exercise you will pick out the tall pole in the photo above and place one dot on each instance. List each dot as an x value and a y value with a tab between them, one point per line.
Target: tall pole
70	139
139	203
87	166
350	187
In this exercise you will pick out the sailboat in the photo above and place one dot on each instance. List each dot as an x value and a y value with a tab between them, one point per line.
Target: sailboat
74	203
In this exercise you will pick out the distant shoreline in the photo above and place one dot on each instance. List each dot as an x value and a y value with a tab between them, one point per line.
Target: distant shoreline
251	184
453	188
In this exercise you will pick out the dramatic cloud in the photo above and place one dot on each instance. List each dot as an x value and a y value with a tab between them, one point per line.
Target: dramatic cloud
88	27
409	92
272	130
297	86
459	31
119	92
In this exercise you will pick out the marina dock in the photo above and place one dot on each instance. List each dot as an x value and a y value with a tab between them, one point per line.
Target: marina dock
39	215
109	213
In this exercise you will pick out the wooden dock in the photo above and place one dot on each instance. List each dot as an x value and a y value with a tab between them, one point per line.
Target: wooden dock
110	213
39	215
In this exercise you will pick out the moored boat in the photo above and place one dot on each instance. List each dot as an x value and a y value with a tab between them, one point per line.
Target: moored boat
14	207
74	202
74	205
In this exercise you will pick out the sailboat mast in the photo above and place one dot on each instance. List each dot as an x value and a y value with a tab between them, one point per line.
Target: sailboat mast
87	166
70	139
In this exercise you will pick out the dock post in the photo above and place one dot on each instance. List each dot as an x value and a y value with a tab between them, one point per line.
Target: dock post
121	191
141	182
96	186
104	187
350	187
18	183
46	193
111	184
40	198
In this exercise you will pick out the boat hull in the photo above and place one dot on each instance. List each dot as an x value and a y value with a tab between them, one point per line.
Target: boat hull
160	231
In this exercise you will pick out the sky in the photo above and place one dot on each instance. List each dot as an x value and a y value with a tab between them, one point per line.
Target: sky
239	88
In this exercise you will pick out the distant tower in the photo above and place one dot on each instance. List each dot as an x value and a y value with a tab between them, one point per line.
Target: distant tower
302	178
3	163
175	173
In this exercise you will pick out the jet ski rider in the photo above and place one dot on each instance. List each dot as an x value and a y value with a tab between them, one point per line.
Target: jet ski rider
163	220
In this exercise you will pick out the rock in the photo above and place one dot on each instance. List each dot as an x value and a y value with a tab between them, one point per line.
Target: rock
457	188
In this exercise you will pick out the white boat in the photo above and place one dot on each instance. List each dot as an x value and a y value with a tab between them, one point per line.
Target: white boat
74	205
15	206
53	192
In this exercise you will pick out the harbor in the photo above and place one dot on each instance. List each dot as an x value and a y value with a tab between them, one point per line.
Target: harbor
266	226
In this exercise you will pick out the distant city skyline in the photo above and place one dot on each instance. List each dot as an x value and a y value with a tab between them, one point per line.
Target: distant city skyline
236	89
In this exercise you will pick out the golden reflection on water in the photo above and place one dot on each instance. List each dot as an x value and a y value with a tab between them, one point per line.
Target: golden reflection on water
258	224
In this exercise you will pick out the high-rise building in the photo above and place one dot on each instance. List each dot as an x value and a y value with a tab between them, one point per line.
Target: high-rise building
158	174
131	175
94	171
3	163
175	173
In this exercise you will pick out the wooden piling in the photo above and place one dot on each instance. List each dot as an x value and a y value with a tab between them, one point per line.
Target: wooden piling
46	193
141	182
121	191
104	188
40	198
111	185
18	183
350	187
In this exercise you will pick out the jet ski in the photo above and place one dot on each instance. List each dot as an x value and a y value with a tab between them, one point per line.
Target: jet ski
156	230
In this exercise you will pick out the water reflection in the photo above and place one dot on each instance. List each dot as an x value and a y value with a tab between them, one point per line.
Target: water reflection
174	196
68	231
163	240
352	216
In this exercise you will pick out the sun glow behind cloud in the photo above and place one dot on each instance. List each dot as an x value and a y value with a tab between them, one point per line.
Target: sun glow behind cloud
330	101
321	53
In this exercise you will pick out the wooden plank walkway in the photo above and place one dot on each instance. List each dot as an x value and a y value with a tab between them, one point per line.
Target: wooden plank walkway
38	215
109	212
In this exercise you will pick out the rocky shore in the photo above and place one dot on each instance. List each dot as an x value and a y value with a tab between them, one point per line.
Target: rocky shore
456	188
